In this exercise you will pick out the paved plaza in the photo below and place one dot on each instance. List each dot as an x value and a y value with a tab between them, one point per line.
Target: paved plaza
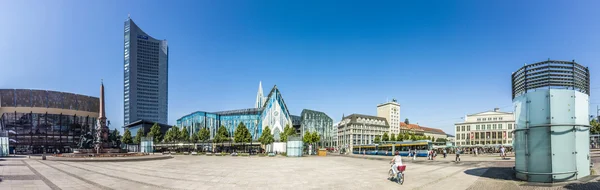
214	172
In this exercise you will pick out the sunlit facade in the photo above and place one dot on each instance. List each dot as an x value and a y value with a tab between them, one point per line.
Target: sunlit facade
269	111
145	82
40	120
316	121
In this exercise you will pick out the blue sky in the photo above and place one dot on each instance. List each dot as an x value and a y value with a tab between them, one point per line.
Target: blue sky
441	60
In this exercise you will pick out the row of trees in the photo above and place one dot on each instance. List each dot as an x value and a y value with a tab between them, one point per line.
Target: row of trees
406	136
172	135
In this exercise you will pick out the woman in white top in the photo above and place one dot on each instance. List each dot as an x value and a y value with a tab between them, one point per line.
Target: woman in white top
397	160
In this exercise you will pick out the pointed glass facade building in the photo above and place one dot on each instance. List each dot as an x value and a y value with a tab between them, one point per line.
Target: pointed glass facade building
268	111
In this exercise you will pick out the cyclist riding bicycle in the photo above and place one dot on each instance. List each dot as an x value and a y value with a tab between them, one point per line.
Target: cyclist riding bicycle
397	160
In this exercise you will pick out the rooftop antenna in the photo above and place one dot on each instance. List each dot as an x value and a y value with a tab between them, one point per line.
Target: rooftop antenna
129	15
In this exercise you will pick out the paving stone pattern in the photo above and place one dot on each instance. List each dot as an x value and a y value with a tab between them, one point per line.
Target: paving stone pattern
211	172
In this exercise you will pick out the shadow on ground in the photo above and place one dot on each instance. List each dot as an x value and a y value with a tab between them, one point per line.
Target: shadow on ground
501	173
586	185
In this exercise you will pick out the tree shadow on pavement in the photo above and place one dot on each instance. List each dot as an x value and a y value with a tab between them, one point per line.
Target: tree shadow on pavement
501	173
586	185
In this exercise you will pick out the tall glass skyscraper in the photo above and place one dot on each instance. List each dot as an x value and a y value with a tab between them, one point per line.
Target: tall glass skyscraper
146	76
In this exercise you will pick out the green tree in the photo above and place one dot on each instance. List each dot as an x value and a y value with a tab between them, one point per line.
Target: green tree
413	137
222	135
385	137
266	137
127	137
194	139
176	132
115	138
307	138
242	134
392	137
155	133
184	135
315	137
377	140
203	135
287	131
400	137
168	136
406	121
138	136
172	135
595	126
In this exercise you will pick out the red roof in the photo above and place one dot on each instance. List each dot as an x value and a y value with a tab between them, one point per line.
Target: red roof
418	127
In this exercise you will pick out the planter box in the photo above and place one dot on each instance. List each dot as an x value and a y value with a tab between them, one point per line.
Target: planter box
209	154
194	153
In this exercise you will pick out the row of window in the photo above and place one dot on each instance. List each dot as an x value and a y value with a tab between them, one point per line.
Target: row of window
482	142
483	127
147	97
484	135
490	119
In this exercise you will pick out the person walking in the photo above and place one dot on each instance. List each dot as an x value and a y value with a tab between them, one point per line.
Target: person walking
476	152
445	152
414	154
457	159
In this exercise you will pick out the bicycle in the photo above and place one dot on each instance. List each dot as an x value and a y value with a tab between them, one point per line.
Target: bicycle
399	177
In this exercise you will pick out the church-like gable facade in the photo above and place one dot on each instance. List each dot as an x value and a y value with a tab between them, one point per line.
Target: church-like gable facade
268	111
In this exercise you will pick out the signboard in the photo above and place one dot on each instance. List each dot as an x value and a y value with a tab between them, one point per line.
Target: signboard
142	37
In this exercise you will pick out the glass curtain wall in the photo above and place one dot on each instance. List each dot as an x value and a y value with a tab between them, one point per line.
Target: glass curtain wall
34	132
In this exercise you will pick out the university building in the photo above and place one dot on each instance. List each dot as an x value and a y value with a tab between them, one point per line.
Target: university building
486	128
268	111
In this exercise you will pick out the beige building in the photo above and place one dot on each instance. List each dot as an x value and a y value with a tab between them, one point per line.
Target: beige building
357	129
391	112
422	131
486	128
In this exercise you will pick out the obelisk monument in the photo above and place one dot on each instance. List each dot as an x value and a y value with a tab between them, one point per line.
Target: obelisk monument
101	128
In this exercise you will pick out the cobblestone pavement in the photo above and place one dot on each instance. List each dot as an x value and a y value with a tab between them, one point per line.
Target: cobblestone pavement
213	172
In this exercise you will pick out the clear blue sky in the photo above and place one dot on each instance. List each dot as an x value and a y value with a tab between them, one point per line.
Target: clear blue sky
441	60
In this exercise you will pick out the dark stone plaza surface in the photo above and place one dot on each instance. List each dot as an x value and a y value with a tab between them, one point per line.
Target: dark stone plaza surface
226	172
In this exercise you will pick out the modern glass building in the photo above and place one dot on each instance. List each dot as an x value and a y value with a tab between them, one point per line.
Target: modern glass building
40	120
145	76
270	111
321	123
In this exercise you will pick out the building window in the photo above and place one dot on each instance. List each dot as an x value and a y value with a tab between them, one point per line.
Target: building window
457	128
499	126
468	128
476	127
510	126
478	119
494	126
489	127
483	119
462	128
